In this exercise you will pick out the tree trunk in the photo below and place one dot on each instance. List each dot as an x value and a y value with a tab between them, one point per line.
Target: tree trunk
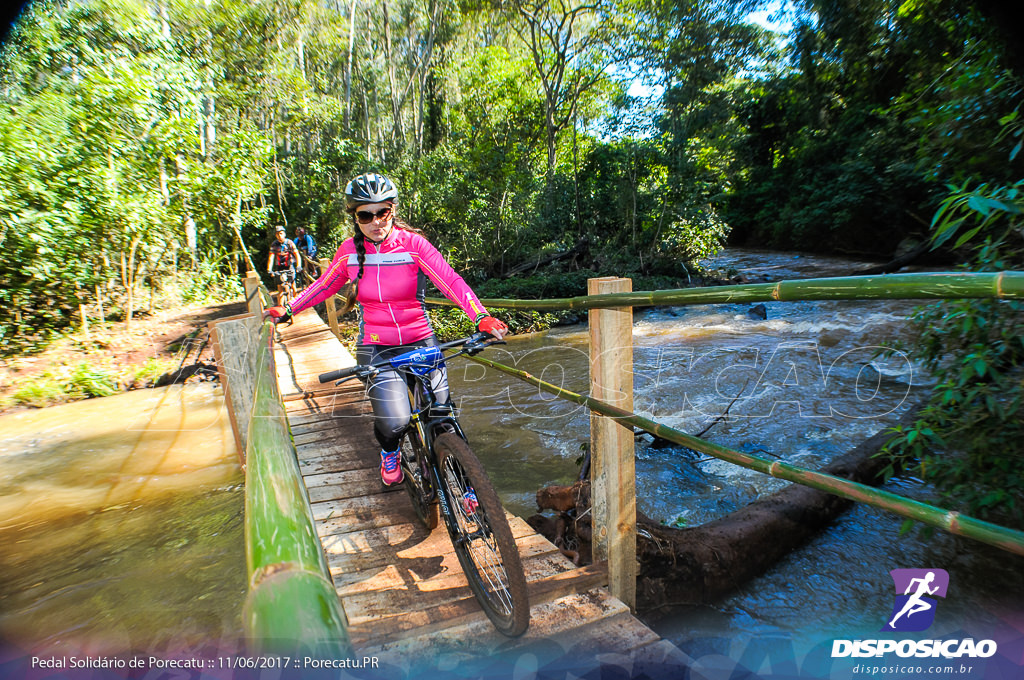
701	564
348	67
396	99
99	304
128	280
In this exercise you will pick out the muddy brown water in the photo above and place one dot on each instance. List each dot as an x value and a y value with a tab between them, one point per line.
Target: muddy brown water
121	518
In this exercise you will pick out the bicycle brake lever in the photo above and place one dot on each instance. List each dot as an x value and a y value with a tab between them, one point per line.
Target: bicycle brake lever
369	373
476	348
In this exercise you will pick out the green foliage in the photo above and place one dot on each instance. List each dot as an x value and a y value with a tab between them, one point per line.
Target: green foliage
450	323
969	438
993	213
141	143
66	383
149	372
84	380
101	121
887	101
211	281
40	392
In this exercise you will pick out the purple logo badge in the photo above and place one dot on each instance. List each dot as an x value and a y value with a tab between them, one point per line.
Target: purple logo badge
914	609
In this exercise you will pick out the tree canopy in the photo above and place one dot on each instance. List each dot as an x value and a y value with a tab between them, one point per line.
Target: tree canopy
152	139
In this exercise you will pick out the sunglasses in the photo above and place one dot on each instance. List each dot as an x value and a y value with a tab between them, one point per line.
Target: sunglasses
365	216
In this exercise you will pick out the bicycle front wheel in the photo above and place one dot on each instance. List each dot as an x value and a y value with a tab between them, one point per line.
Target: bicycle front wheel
482	538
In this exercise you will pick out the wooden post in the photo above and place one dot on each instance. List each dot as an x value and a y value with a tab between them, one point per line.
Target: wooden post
332	309
235	347
253	300
612	464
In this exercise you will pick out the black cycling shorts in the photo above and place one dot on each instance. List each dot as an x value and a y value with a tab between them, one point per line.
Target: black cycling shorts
388	391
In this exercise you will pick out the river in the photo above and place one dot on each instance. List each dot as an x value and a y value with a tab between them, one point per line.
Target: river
108	555
121	521
804	385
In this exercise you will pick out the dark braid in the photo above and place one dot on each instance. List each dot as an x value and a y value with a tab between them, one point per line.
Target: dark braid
350	299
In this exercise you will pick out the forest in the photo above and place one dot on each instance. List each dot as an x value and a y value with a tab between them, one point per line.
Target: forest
152	145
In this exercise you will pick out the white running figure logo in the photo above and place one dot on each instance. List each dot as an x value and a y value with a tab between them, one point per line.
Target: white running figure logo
915	604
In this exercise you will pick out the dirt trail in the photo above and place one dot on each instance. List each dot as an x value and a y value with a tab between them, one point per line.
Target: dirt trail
161	334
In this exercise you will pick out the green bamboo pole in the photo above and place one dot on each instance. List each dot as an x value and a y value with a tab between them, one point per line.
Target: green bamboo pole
962	525
936	285
292	604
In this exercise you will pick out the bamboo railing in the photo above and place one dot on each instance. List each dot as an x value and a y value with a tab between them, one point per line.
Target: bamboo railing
951	521
292	604
936	285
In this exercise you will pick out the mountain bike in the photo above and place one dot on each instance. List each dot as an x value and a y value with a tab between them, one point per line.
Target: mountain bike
443	477
285	279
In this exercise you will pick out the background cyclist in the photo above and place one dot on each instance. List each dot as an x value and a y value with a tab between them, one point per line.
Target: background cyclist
307	249
389	263
281	263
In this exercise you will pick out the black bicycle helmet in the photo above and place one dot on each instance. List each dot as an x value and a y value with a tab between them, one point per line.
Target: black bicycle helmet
369	188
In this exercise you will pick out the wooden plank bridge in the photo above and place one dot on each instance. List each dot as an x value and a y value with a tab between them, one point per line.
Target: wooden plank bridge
401	587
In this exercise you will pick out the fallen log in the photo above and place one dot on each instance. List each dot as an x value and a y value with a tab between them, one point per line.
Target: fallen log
898	262
699	565
578	249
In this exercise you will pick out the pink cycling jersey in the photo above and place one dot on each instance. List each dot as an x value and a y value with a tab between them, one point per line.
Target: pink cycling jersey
393	287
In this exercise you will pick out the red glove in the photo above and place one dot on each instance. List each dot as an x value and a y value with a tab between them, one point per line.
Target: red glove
495	327
277	314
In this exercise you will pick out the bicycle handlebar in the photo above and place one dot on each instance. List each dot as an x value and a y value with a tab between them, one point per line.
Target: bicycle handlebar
341	373
473	344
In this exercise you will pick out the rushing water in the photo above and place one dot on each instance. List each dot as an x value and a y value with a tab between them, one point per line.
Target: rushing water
804	385
121	521
121	518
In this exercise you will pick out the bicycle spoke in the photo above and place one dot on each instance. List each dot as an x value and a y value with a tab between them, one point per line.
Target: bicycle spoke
478	541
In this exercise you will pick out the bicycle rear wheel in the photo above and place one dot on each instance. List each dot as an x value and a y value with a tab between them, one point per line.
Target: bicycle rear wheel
417	480
482	538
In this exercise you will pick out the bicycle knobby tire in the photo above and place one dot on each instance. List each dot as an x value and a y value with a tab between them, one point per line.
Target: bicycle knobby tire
417	480
483	541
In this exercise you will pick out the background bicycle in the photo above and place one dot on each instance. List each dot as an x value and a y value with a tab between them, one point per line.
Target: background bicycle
285	280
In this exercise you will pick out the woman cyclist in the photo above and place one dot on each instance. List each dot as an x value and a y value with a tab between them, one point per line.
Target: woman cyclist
389	263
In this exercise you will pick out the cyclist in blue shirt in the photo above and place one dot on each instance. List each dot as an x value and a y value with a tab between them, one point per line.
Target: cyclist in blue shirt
307	263
305	243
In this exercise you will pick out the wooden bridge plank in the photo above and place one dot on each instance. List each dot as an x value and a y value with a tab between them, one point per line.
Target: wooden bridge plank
342	461
422	579
524	535
402	587
562	619
382	554
438	616
408	556
353	484
329	512
330	434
